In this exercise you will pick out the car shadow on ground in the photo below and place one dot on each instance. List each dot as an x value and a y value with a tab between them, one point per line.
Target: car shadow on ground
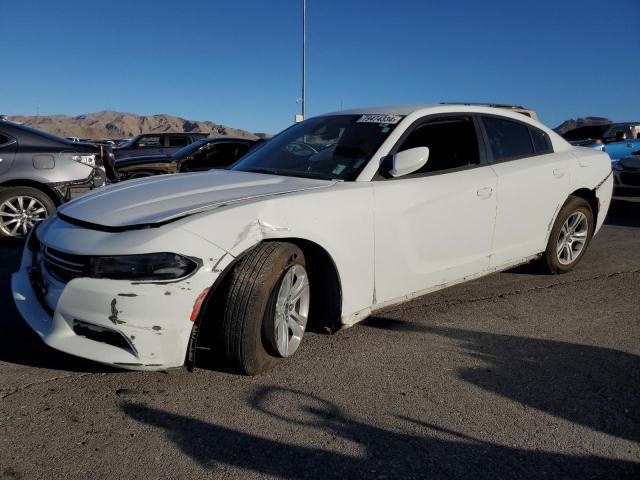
596	387
18	343
382	453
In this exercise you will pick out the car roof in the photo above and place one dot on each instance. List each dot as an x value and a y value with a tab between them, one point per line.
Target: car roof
436	108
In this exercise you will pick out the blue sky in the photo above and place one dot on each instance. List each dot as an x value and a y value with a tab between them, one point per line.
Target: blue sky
238	62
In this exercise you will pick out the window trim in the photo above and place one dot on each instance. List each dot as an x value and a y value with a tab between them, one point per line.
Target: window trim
489	152
482	154
11	140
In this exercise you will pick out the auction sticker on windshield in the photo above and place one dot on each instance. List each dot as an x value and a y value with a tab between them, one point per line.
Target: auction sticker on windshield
380	118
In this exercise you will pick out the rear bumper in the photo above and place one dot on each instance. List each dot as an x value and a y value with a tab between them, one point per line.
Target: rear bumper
627	191
68	190
604	195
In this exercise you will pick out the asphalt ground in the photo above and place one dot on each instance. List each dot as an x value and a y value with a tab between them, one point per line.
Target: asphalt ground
516	375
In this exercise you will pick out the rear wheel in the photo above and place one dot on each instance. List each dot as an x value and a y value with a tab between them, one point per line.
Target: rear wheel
570	236
266	307
21	208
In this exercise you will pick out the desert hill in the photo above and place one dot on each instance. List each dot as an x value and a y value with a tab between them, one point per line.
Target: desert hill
109	124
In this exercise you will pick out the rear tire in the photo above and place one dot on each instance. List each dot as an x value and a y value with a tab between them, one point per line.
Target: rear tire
21	208
570	236
252	296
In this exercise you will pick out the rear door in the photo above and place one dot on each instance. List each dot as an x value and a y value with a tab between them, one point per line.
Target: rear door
533	183
434	226
8	147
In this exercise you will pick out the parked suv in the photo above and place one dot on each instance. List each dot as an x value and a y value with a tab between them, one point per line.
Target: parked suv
156	143
203	154
39	171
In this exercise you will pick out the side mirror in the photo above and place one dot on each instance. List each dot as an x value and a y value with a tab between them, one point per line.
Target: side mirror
408	161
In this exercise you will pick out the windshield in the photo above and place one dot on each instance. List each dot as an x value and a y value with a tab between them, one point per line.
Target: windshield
593	132
192	147
332	147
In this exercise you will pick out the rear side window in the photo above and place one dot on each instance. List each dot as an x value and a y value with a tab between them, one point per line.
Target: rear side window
507	139
452	143
178	141
541	141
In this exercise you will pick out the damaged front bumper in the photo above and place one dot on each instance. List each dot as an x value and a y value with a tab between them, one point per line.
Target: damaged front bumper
129	325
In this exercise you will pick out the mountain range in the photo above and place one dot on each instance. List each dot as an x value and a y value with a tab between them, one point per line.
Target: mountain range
111	125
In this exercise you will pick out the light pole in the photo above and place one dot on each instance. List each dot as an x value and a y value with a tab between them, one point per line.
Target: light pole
303	98
304	58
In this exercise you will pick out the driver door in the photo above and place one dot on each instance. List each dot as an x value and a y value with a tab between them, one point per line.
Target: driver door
435	226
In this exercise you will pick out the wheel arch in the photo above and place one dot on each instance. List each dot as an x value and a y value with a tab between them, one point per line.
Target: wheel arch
44	188
590	197
325	309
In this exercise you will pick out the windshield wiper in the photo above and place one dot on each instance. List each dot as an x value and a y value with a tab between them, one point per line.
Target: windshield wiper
267	171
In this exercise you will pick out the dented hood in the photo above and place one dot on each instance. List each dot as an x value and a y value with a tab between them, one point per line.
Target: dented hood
158	200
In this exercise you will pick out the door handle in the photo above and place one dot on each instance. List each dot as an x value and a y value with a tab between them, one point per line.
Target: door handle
558	172
484	193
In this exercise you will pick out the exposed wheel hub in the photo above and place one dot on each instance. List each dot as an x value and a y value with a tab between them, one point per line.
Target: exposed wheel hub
572	238
292	310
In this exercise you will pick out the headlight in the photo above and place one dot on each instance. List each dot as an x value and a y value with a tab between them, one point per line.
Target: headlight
86	159
149	267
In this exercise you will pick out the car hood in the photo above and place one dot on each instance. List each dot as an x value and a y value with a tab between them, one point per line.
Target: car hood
155	201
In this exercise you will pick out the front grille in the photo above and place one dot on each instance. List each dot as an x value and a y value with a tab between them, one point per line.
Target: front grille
630	178
65	266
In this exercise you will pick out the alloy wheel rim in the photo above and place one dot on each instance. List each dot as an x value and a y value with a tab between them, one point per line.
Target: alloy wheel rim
292	310
572	238
19	214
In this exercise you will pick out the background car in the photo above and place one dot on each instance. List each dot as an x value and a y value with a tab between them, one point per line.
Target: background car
39	171
156	143
203	154
626	173
617	139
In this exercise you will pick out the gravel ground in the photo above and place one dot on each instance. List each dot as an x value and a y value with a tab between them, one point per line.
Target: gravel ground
517	375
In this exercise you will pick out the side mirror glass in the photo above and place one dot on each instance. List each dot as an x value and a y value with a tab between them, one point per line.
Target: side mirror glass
408	161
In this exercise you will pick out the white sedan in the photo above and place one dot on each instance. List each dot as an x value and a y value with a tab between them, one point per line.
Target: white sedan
334	218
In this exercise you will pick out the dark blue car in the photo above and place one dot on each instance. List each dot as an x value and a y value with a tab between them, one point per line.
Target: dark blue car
619	140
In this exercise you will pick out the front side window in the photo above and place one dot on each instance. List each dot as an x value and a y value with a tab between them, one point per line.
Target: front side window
507	139
219	155
330	147
452	143
149	142
5	140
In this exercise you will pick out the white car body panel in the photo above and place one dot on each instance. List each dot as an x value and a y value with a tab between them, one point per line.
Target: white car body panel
530	194
389	239
432	230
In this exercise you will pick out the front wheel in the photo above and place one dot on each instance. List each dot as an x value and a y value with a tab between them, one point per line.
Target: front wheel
570	236
266	307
